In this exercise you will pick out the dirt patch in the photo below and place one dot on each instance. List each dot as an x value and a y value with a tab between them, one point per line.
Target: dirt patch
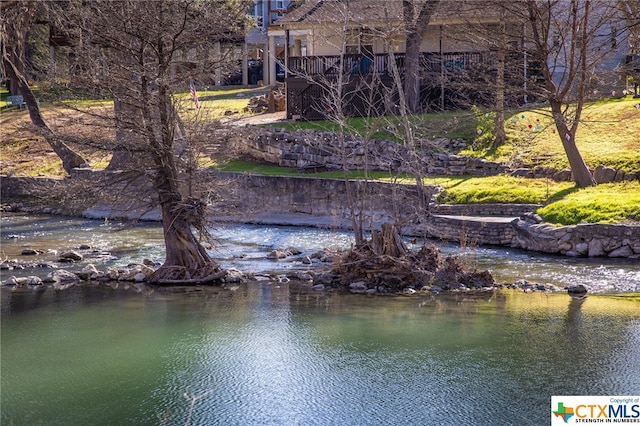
24	152
258	119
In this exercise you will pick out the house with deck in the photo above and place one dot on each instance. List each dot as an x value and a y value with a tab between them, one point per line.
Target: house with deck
360	43
359	46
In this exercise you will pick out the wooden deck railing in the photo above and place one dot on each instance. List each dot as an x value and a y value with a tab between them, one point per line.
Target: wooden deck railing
330	65
368	77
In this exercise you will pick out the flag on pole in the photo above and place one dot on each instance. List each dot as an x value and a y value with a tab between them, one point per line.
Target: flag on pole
194	94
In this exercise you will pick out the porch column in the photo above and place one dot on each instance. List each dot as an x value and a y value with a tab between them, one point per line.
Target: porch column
286	54
272	60
297	47
245	70
265	64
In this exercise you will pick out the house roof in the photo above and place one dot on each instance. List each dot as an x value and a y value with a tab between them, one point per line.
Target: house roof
369	12
321	11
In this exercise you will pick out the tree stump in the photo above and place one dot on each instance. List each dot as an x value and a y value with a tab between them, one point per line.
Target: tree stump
388	241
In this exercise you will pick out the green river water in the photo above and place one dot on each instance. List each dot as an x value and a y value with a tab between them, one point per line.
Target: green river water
268	354
275	354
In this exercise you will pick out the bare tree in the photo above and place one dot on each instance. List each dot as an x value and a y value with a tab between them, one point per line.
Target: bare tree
499	131
17	18
351	81
144	54
568	41
414	165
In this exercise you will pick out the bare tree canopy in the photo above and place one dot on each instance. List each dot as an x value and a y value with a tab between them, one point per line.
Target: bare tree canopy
565	48
142	53
568	44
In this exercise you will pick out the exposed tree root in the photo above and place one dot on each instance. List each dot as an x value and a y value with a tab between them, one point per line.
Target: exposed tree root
179	275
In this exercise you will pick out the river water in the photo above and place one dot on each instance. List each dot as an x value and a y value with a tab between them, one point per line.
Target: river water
277	354
245	247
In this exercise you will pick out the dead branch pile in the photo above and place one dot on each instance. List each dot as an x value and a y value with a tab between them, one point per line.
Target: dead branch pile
384	263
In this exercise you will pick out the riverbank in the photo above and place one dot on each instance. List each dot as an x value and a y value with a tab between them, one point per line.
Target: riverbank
267	253
301	201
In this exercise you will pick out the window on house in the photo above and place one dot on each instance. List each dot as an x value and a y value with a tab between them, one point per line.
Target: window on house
256	11
359	41
352	45
278	9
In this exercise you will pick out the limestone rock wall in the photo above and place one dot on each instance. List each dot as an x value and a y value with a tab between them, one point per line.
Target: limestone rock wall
259	195
312	149
470	233
592	240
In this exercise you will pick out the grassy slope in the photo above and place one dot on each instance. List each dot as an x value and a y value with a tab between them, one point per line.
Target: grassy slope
608	134
23	152
605	203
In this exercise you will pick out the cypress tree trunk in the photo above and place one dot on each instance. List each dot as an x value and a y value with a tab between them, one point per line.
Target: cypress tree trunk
581	174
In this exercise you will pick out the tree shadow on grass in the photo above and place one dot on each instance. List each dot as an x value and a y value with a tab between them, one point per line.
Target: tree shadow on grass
559	195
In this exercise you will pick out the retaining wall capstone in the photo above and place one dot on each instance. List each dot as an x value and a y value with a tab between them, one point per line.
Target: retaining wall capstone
513	210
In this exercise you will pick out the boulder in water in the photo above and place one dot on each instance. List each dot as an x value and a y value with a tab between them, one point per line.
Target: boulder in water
61	276
70	255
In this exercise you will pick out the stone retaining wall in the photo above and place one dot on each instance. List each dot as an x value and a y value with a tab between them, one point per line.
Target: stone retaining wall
260	195
312	149
16	186
513	210
471	232
592	240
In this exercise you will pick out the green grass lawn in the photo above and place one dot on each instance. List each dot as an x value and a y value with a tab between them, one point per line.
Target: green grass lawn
450	124
608	134
606	203
564	204
498	189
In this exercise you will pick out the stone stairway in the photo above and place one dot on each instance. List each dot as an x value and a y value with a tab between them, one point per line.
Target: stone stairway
476	224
